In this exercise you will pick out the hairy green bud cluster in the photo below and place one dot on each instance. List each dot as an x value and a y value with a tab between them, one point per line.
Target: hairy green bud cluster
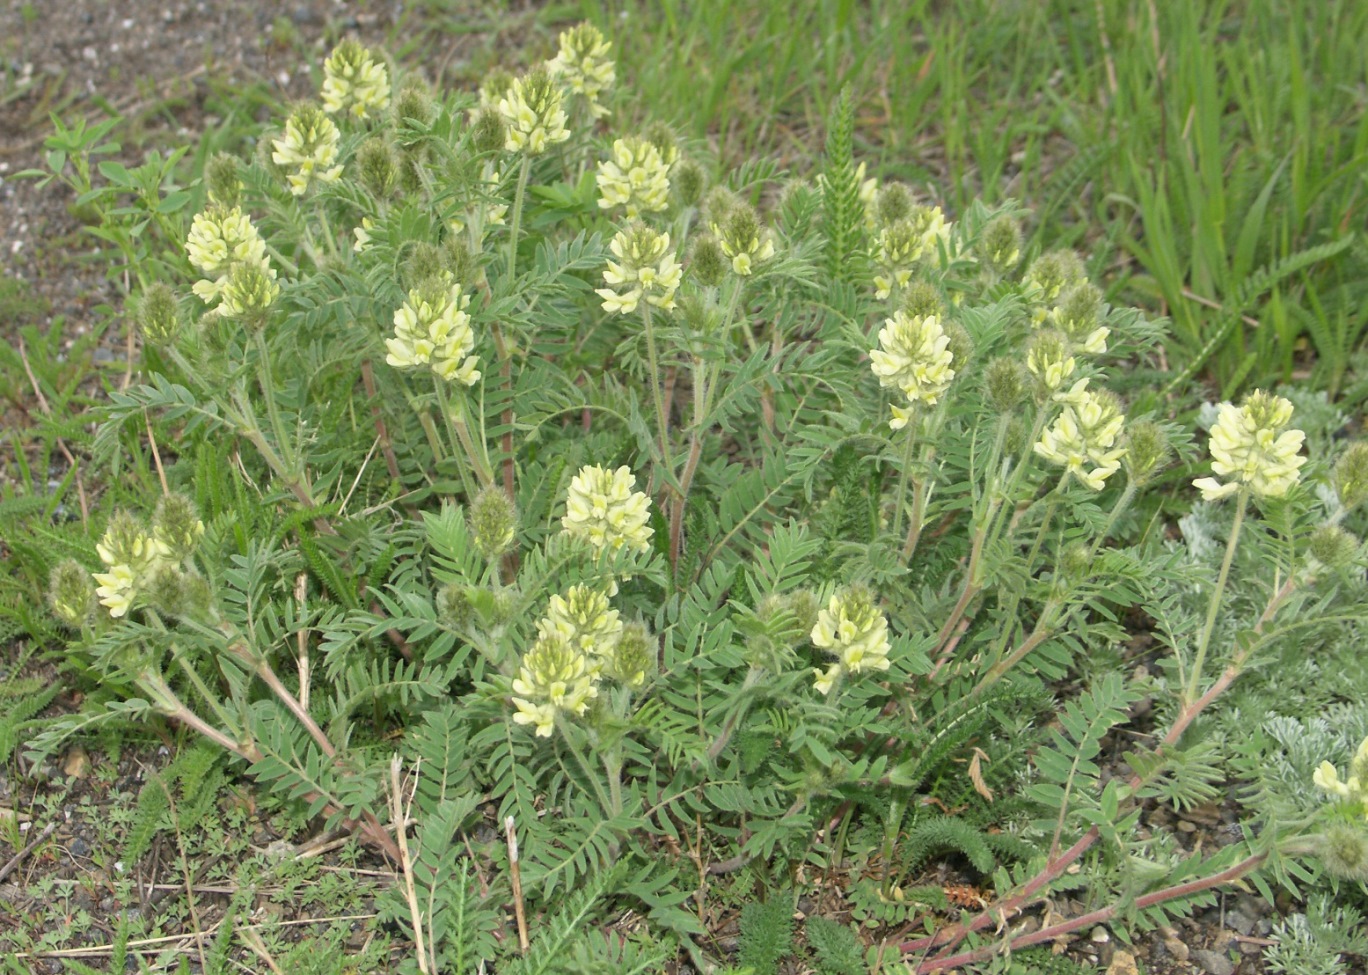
489	132
1147	451
493	523
221	176
690	182
922	299
1005	382
70	594
893	204
1050	274
1351	475
1333	547
999	246
177	526
707	263
158	316
378	165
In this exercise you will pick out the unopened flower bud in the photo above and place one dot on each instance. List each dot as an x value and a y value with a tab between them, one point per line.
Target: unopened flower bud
707	263
70	594
425	266
690	182
1147	451
177	526
1079	311
378	165
1344	850
165	591
1351	475
221	176
893	203
415	102
488	134
458	261
718	204
633	657
1005	382
453	605
493	523
1052	273
999	247
961	344
921	299
804	605
411	171
1075	562
1333	547
158	316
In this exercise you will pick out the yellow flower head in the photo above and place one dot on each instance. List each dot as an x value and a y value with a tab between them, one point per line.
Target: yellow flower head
1083	439
583	619
133	556
117	589
534	111
1251	445
554	678
309	148
432	329
914	356
636	177
221	237
354	82
603	509
645	268
1353	788
853	630
582	65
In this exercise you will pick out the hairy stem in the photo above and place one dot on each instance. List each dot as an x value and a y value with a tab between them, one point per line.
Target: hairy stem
1204	640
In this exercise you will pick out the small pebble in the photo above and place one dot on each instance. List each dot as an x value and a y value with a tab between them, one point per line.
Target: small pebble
1213	962
1099	935
1178	949
79	847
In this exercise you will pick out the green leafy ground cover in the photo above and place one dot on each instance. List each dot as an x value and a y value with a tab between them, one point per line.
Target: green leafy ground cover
339	598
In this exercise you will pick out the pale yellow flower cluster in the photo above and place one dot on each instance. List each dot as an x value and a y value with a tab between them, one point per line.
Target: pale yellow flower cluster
636	177
580	641
221	239
534	113
1050	358
309	149
1251	445
914	357
132	555
645	267
1083	439
852	629
554	678
904	243
432	329
603	508
583	619
1354	787
354	82
582	65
